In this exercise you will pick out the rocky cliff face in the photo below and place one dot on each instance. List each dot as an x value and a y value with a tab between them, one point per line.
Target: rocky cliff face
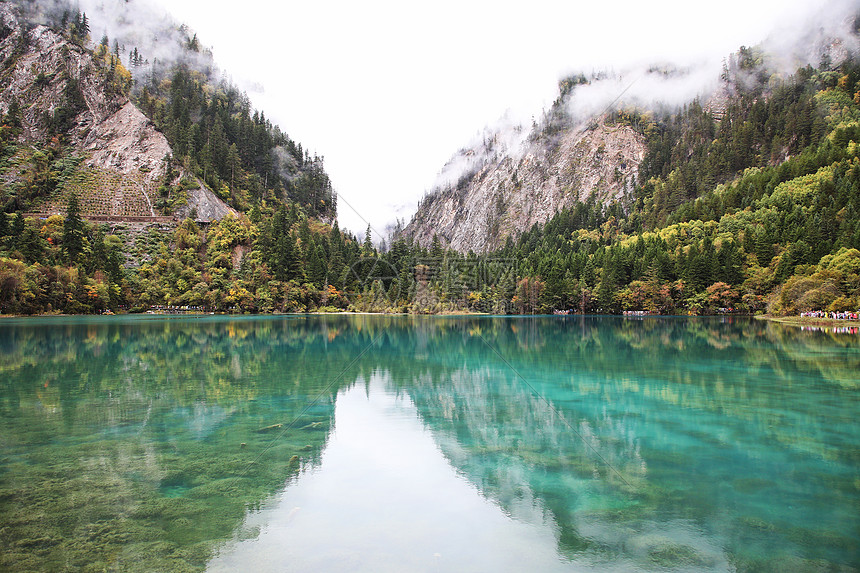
124	155
528	182
39	66
38	63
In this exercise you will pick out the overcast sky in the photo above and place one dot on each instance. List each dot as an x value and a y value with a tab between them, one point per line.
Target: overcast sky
387	91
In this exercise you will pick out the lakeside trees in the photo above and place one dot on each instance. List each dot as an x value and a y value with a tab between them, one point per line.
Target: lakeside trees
289	263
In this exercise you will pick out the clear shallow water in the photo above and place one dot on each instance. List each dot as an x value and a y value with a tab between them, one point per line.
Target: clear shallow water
427	444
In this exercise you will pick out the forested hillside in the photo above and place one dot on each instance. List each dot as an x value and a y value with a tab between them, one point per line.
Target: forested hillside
751	208
92	190
213	131
748	205
238	153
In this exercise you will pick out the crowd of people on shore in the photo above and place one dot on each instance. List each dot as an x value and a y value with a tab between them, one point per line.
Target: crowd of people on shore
831	315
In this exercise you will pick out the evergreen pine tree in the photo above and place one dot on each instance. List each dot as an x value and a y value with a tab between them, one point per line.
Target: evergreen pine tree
608	284
13	116
436	247
367	247
16	231
73	230
589	275
317	267
763	248
98	257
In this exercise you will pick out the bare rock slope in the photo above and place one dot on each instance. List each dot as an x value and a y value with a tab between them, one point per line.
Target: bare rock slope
529	184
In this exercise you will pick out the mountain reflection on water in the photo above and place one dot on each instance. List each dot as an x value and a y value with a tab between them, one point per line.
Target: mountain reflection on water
689	444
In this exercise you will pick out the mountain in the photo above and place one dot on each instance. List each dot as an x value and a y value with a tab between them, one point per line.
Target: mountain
737	191
133	174
607	136
147	115
73	102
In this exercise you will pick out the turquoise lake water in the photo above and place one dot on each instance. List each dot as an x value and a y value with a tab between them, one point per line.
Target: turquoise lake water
372	443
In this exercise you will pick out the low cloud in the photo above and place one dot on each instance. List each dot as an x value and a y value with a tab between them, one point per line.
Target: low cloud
504	138
145	25
826	30
650	87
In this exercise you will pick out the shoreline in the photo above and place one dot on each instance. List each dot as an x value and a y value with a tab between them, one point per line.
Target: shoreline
787	320
189	314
